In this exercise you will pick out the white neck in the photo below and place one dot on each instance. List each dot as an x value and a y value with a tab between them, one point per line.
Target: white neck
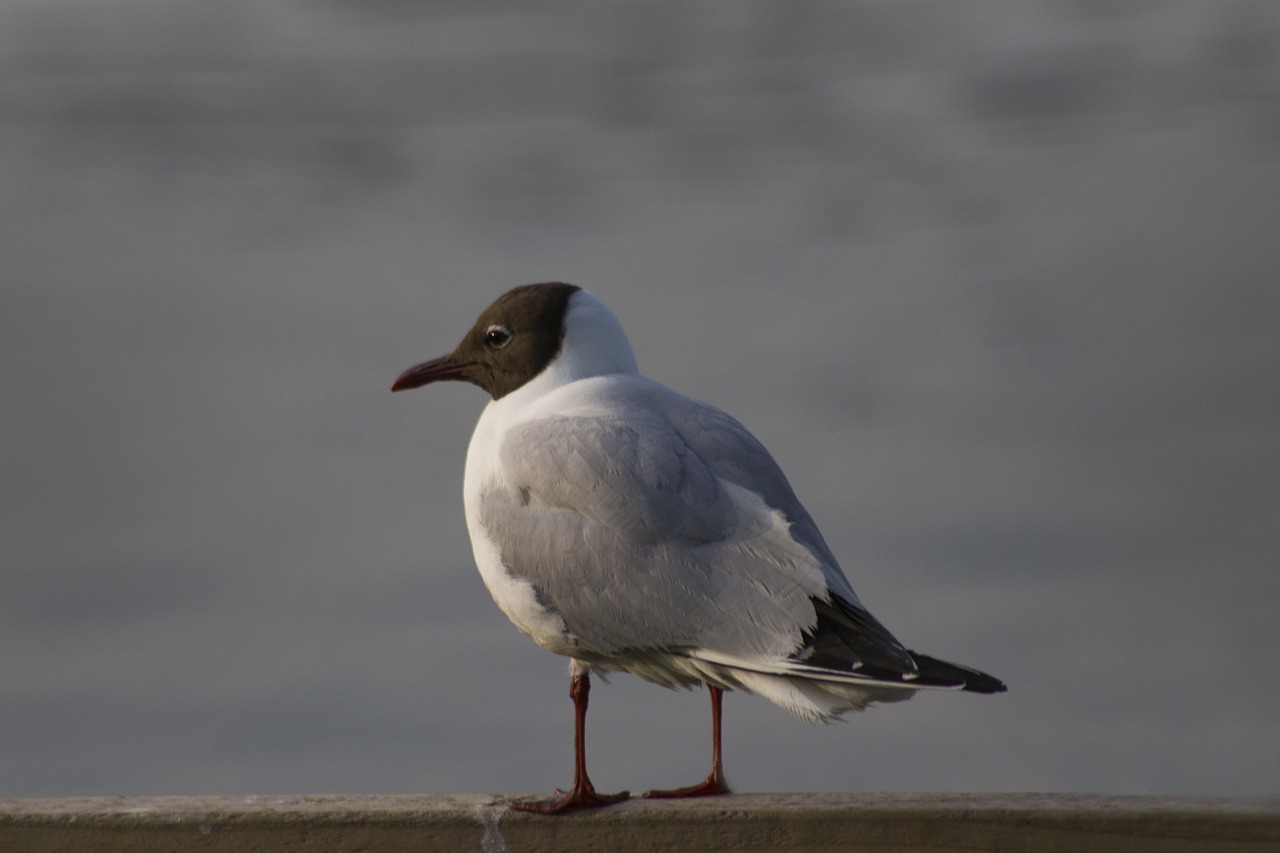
594	345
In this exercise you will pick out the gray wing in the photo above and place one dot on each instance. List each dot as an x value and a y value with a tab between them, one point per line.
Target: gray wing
844	635
672	529
734	454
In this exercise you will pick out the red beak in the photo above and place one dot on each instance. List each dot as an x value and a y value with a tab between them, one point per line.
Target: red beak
436	370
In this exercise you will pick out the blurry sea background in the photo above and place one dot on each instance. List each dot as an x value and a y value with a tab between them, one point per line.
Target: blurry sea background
998	283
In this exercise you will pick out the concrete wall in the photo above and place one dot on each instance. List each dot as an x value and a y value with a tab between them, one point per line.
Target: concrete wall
886	823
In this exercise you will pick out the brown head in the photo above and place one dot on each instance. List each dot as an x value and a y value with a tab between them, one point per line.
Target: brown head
513	341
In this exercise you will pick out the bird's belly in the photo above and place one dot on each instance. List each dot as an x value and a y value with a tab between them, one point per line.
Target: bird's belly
517	599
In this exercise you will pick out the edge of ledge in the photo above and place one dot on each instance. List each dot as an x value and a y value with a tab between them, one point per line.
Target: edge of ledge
374	806
791	822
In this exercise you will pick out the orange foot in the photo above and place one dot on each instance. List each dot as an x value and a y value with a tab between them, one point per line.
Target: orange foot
581	797
712	786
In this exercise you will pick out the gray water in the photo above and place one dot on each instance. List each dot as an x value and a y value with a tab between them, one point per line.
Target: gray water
996	283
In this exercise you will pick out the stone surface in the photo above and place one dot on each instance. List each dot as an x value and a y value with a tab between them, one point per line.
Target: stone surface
792	822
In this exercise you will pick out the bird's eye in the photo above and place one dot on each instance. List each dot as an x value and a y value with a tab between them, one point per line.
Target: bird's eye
497	337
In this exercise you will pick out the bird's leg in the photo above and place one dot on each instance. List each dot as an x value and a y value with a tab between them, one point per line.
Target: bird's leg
715	782
583	794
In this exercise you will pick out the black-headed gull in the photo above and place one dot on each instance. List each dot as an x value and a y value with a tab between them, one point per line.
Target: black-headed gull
631	528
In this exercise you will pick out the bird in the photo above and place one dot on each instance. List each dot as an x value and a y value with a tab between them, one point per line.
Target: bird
631	528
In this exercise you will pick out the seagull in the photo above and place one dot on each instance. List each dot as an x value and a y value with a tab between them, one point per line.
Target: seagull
630	528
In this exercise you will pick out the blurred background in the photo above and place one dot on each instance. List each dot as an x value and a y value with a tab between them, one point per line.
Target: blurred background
997	283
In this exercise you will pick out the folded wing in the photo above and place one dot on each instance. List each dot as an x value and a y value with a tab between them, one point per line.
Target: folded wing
675	530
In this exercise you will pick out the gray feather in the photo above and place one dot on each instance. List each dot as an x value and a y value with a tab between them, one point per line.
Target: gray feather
642	534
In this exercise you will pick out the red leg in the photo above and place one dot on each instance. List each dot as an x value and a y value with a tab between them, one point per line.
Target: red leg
583	794
715	782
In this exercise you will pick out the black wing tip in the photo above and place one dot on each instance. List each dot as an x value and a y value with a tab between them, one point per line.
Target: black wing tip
846	637
968	679
985	684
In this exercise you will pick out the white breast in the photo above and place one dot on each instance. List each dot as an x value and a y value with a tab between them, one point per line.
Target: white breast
515	597
594	346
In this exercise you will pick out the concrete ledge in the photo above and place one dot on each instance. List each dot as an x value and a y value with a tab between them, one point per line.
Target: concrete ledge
885	823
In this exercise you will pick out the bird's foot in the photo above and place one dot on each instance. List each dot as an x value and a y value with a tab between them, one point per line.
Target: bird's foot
580	797
712	786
